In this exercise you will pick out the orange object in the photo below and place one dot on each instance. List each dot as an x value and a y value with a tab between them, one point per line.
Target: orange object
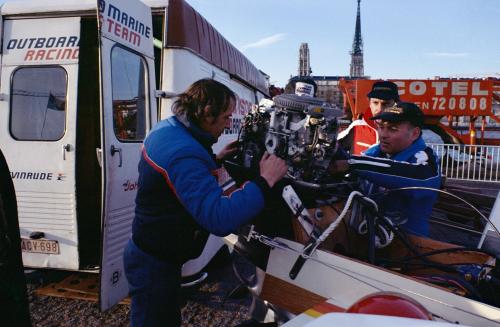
390	304
439	97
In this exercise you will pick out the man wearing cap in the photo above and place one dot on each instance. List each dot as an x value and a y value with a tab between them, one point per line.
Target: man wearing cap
301	85
362	133
400	159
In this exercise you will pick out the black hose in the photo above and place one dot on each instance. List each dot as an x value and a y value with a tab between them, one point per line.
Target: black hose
447	267
486	219
456	249
408	245
370	222
473	292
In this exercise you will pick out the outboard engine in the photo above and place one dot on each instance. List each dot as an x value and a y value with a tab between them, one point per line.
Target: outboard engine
301	130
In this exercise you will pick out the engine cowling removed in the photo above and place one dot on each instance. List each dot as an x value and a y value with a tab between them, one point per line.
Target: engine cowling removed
301	130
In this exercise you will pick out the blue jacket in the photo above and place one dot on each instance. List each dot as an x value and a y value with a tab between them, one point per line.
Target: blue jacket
179	201
415	166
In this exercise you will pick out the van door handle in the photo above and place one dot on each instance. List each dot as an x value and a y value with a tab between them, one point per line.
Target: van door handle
115	150
66	148
98	153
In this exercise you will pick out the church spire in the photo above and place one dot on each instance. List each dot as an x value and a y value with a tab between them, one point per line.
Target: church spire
357	68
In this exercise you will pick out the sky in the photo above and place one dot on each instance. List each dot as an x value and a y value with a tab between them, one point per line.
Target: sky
402	38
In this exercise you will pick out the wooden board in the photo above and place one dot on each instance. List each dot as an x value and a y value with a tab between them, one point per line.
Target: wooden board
76	286
288	296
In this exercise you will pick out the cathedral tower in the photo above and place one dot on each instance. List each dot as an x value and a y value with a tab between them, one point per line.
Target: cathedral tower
357	68
304	61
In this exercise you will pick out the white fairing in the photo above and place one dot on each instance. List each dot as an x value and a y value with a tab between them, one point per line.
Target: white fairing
495	213
344	281
194	266
125	58
489	230
37	131
353	320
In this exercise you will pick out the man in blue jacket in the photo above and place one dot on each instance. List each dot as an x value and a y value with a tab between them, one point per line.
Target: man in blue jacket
179	201
400	159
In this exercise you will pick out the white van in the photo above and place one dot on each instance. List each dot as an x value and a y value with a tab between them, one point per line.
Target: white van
77	97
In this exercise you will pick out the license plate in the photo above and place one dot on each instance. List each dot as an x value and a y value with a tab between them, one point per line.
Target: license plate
39	246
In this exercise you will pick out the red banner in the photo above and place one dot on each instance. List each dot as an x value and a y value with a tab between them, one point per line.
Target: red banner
440	97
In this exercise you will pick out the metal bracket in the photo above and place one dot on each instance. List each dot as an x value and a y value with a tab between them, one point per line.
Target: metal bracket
165	94
295	204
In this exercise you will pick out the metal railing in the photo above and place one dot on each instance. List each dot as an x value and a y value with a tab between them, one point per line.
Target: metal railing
469	162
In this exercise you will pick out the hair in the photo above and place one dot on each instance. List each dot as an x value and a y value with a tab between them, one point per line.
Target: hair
203	93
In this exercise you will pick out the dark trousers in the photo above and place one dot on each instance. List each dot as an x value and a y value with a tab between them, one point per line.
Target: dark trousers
154	287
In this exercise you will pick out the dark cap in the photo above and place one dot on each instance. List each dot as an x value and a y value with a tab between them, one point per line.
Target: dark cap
384	90
402	111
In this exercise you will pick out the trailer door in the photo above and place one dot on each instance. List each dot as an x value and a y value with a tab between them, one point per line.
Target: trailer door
128	110
37	134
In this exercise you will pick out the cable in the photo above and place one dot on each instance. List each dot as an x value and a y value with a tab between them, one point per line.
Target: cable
456	249
441	281
444	192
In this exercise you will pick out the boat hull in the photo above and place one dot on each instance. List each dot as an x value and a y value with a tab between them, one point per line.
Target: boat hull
343	281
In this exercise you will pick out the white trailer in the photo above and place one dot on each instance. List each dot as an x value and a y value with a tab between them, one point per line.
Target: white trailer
78	94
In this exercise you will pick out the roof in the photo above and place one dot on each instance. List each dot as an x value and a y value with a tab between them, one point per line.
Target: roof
329	78
321	78
186	29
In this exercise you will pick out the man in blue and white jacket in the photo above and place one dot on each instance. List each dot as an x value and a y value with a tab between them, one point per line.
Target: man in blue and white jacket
400	159
179	201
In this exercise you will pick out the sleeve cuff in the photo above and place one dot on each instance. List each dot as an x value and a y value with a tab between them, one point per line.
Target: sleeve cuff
264	187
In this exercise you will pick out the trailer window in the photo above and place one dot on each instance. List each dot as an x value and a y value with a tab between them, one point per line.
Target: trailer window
38	106
129	76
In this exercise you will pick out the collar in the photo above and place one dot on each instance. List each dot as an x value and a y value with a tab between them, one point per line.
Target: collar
404	155
205	138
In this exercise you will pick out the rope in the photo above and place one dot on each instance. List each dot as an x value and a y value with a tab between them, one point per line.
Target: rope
360	277
363	278
337	221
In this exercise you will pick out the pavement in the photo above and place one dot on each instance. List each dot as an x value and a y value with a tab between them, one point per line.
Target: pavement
206	305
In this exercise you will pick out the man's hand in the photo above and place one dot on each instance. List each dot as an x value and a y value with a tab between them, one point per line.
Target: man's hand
228	151
338	166
272	168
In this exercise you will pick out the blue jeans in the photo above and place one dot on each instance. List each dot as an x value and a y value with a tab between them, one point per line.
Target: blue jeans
154	287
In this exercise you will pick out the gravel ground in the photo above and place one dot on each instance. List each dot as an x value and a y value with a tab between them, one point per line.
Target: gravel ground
205	306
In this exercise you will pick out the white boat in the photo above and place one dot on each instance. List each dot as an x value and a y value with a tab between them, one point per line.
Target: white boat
455	278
